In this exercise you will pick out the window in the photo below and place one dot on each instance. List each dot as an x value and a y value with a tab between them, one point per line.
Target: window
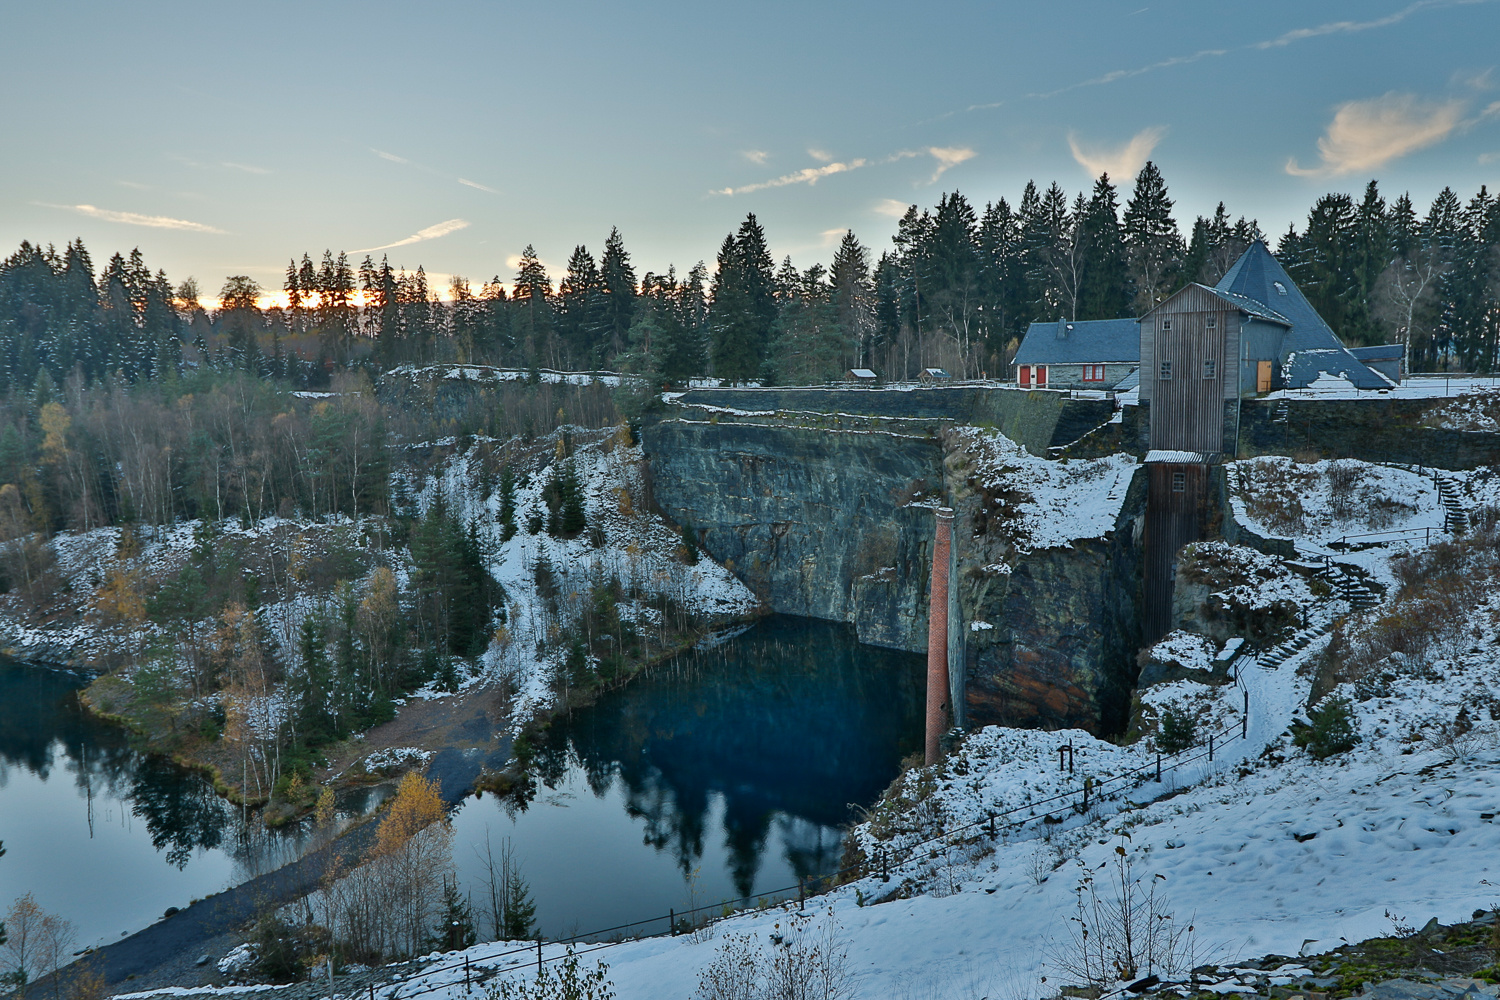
1212	322
1165	371
1093	373
1179	482
1166	324
1210	368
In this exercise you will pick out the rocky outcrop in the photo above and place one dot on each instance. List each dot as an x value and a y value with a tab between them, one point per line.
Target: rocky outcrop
1052	633
824	523
835	522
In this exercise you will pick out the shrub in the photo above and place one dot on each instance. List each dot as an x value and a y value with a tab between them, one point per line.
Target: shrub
1330	730
1179	730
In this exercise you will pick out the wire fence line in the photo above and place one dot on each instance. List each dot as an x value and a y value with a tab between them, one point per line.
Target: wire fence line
879	867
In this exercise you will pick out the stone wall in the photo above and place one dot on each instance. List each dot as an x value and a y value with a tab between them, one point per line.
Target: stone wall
1373	429
1037	419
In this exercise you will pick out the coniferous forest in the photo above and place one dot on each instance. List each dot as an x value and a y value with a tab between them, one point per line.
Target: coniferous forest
957	288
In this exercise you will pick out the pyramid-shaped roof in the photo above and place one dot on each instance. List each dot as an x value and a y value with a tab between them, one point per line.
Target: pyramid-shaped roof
1311	346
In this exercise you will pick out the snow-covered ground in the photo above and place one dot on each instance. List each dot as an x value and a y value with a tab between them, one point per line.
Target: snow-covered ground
1056	502
1264	850
639	550
1357	512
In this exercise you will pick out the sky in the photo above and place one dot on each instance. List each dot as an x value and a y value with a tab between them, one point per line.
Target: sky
227	138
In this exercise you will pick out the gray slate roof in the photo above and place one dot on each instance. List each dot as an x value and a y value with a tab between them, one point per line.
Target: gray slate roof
1082	342
1310	347
1380	352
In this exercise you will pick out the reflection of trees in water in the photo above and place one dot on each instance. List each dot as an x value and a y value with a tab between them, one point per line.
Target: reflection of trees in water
785	725
42	727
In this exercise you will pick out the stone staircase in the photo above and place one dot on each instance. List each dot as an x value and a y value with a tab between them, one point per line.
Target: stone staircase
1351	585
1455	509
1282	413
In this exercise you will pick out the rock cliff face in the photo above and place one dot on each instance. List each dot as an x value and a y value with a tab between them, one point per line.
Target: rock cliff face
817	522
837	524
1059	627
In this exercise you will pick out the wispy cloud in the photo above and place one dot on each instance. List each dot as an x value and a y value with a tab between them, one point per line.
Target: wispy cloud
476	185
1354	27
1488	158
430	233
891	207
136	219
807	175
1120	161
756	156
947	158
389	156
1280	41
829	237
134	185
247	168
821	155
1367	134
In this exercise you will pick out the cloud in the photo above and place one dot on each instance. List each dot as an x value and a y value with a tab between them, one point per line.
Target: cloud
430	233
807	175
821	155
389	156
1488	158
245	167
1121	161
756	156
1280	41
829	237
890	206
1366	134
948	157
476	185
136	219
1353	27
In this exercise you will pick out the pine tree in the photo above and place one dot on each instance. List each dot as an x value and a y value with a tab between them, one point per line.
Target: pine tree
1152	239
507	503
1105	290
617	279
580	307
744	306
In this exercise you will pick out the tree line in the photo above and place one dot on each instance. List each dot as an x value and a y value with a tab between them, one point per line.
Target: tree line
957	287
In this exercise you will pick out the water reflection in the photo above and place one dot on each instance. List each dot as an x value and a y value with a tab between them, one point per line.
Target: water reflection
106	836
746	758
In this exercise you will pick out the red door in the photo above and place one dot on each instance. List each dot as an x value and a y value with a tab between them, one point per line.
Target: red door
1023	373
1041	375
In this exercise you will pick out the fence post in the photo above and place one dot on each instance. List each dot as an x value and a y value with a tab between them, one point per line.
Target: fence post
672	922
1245	718
801	894
885	865
992	824
1210	747
539	956
1158	767
466	974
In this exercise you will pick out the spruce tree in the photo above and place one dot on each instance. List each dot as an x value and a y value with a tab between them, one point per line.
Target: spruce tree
744	306
617	281
507	503
1105	291
1152	239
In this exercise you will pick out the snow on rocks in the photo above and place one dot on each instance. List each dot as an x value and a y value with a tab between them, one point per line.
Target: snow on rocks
1050	503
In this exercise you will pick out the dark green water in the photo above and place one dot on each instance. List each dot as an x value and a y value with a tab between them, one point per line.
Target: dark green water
721	773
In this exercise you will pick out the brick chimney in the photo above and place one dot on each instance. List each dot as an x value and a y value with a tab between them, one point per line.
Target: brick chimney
938	709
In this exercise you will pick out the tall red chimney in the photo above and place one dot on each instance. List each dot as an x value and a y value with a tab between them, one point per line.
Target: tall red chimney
938	709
